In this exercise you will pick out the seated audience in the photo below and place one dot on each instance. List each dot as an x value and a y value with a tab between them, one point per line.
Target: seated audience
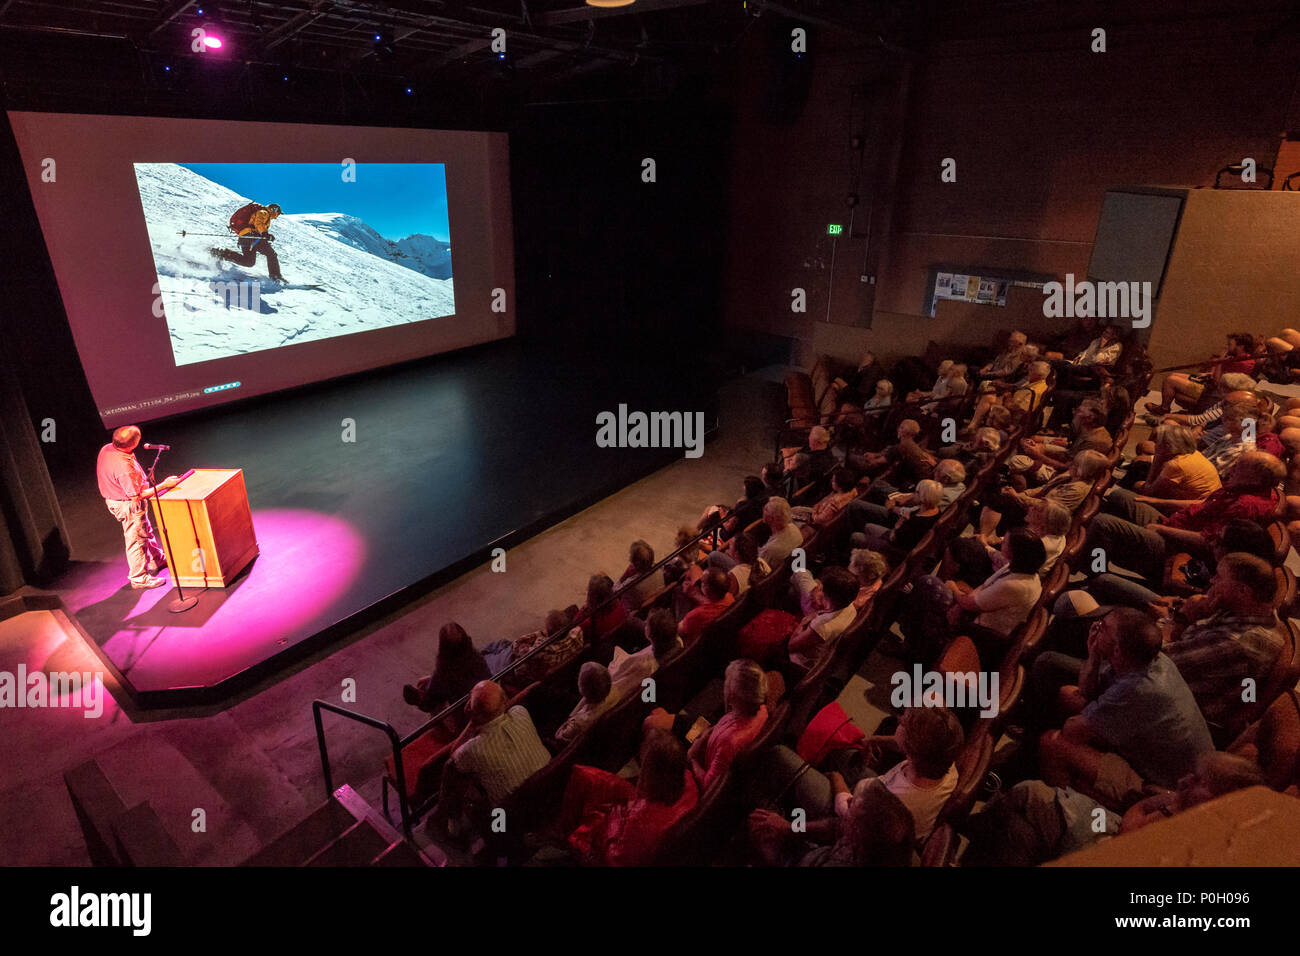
1027	394
641	558
1009	361
457	668
1236	638
879	402
1068	489
1089	434
977	451
876	830
627	671
929	739
570	643
1050	522
498	750
843	490
1177	471
829	611
859	385
883	503
747	509
1032	823
1135	720
1003	602
785	534
1140	538
742	562
612	822
596	695
601	616
1190	577
812	464
716	587
870	568
1083	371
1186	388
913	462
745	697
910	528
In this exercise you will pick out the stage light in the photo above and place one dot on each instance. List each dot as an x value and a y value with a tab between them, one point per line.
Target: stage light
211	42
609	4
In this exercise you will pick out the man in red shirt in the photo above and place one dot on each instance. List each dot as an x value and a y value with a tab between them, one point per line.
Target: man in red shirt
125	486
716	586
1142	539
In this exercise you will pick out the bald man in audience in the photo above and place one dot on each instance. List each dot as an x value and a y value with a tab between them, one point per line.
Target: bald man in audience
125	488
497	751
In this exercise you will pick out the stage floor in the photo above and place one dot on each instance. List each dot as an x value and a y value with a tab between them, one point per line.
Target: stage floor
452	457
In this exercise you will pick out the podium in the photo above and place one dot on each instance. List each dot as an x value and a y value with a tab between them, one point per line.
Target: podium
209	526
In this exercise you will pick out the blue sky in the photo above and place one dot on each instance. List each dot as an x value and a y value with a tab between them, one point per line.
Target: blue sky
395	199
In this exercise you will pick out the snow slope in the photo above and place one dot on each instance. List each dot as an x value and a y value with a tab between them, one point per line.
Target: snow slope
339	281
419	252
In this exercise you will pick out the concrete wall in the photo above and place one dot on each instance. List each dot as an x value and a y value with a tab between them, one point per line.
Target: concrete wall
1233	268
1040	127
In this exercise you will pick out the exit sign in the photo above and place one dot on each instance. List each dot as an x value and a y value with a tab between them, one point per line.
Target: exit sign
834	229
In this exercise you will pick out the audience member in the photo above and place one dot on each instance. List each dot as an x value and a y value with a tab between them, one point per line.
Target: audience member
457	668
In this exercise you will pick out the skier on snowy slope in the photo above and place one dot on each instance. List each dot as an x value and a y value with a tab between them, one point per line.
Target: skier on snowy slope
251	223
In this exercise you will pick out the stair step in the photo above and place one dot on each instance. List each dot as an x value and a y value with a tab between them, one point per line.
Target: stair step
358	845
297	844
143	841
96	804
400	854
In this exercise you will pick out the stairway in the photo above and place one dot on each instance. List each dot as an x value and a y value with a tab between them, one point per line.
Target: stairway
344	831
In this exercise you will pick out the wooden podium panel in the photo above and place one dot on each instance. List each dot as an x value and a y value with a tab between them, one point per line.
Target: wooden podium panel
209	527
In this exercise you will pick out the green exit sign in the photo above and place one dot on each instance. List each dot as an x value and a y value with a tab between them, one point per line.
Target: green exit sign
834	229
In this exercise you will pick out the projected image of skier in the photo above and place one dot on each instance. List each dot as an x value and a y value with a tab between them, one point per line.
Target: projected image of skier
259	256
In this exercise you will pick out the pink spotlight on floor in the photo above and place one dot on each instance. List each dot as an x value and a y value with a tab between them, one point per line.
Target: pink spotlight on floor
297	586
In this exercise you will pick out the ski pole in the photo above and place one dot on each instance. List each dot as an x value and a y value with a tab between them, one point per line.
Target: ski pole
216	235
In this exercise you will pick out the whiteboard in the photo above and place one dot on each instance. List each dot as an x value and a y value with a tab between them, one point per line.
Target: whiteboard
1133	237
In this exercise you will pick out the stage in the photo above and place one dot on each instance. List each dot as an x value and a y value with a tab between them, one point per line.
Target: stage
453	456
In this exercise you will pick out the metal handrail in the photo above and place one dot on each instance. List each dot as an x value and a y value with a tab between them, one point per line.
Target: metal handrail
400	742
317	706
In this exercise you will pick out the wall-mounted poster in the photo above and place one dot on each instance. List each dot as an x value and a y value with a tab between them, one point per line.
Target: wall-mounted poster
981	290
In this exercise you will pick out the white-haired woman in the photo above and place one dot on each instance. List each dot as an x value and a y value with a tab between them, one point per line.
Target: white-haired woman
910	528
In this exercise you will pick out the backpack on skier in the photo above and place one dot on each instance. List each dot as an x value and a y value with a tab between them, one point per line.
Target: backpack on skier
242	217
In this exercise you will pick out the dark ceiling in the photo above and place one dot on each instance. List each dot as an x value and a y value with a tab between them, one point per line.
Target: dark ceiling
56	50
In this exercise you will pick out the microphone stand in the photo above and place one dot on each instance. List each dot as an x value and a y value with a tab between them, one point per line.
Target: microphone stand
182	603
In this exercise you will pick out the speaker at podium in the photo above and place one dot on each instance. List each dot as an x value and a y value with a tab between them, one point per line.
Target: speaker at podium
209	527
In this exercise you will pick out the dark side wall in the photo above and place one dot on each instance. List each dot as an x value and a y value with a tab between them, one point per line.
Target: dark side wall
1039	125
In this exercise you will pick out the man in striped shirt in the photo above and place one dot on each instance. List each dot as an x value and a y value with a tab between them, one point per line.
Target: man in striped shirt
501	747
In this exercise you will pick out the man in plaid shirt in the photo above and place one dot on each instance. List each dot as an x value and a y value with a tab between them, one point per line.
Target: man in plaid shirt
1238	640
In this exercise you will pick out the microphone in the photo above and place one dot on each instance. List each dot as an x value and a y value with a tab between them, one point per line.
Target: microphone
156	447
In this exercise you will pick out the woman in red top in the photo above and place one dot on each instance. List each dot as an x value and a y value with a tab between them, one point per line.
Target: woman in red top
611	822
609	615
